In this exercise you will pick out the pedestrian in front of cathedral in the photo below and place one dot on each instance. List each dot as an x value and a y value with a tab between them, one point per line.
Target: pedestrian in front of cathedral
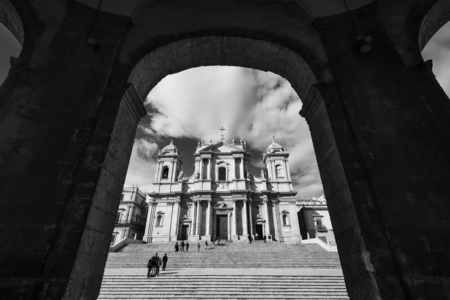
158	264
206	245
265	239
249	238
198	247
182	246
165	258
177	247
187	246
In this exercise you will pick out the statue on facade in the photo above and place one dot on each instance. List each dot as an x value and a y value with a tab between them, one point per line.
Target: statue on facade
180	177
263	174
197	175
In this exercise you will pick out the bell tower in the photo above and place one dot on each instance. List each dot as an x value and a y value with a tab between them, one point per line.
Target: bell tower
169	164
276	161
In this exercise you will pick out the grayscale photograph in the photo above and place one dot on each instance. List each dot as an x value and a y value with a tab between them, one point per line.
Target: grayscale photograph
224	149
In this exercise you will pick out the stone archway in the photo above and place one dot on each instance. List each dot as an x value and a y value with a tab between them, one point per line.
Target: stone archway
380	135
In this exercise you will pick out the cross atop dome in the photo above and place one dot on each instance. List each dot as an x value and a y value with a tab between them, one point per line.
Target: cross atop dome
222	136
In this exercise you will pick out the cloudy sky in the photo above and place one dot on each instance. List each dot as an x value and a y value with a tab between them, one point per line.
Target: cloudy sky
252	105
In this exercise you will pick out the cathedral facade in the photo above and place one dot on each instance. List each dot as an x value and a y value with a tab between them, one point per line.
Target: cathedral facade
222	199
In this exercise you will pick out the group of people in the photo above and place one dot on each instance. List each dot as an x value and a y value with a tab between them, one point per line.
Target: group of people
182	246
156	261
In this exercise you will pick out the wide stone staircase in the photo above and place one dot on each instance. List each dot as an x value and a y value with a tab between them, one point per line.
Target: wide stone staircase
230	255
228	271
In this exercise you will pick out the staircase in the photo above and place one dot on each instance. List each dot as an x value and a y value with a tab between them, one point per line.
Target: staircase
233	255
223	287
228	271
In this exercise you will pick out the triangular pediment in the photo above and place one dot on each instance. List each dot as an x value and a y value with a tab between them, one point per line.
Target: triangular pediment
222	147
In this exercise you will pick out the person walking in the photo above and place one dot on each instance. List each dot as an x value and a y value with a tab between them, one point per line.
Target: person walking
265	239
198	247
206	245
187	246
177	247
158	263
249	238
165	258
149	266
182	246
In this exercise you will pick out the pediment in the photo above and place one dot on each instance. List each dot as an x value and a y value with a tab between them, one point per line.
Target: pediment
222	147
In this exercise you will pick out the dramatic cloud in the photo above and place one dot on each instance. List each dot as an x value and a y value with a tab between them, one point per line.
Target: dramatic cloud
142	164
250	104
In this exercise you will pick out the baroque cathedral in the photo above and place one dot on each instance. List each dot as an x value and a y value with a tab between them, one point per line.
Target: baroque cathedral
222	199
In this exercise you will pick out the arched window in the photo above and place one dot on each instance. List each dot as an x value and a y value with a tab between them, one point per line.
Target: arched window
159	221
165	172
222	173
285	219
279	171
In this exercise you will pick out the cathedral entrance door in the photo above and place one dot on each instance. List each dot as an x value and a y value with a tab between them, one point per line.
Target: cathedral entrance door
259	231
184	232
222	227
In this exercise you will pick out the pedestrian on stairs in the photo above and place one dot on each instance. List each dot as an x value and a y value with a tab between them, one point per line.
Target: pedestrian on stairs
265	239
182	246
198	247
187	246
206	245
177	247
158	264
165	258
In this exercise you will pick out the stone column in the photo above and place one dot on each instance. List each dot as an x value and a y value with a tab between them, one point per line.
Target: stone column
244	218
172	171
233	228
208	216
192	217
158	170
229	226
149	223
250	217
175	220
286	169
197	224
266	211
201	168
241	168
274	218
209	169
274	170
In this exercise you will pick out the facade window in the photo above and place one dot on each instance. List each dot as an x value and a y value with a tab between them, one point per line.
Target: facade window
279	171
159	221
165	173
285	220
222	174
